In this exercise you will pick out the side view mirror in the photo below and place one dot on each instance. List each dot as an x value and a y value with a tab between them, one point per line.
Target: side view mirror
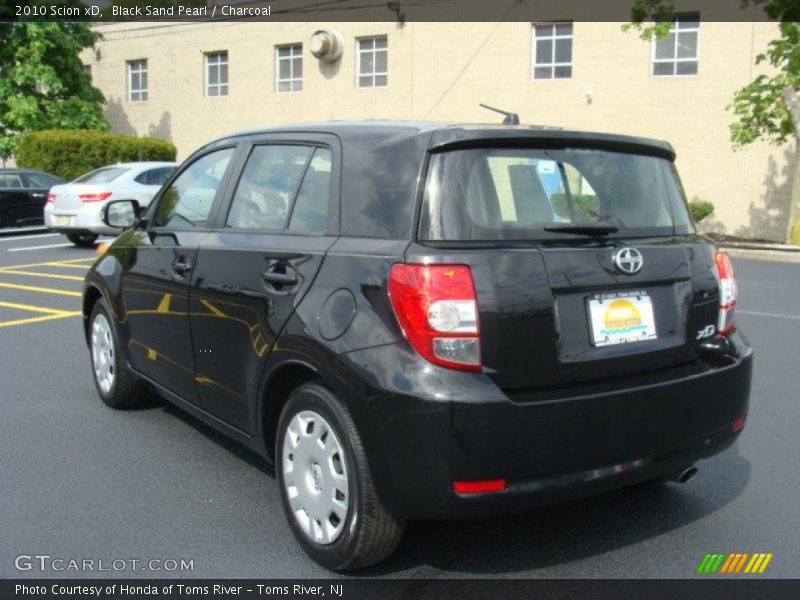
121	214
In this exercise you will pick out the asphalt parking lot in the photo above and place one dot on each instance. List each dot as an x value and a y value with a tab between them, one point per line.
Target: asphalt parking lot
81	481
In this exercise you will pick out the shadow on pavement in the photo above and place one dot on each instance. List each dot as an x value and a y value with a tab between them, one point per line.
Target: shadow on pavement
564	533
547	536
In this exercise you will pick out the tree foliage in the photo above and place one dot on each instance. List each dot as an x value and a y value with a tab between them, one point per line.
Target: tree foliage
43	84
763	107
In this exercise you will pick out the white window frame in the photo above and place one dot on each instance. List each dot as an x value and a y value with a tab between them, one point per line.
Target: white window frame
675	60
374	51
143	92
222	88
293	81
552	64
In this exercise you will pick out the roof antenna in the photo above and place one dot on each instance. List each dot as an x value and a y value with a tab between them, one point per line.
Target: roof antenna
511	118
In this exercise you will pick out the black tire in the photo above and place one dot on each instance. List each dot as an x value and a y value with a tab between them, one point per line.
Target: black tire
127	390
82	240
370	532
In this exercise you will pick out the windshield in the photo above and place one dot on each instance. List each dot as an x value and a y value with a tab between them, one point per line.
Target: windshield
516	194
104	175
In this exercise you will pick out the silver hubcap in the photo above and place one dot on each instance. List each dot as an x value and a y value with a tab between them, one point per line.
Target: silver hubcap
315	477
103	355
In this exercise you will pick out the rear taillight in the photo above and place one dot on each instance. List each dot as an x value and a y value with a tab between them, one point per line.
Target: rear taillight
726	322
94	197
51	198
437	309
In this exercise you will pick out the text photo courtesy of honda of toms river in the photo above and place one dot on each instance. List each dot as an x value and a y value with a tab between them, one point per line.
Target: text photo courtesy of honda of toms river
415	321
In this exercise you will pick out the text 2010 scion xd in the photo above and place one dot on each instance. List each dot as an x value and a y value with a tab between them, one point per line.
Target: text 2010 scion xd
414	320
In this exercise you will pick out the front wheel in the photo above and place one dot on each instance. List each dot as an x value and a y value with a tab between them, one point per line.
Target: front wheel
118	387
327	490
82	240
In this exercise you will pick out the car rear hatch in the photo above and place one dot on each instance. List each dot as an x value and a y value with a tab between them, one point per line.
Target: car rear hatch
585	263
93	187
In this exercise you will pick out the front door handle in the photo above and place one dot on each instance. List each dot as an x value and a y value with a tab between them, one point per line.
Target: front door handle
181	266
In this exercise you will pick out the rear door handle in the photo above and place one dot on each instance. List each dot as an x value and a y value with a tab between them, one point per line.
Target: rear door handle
181	266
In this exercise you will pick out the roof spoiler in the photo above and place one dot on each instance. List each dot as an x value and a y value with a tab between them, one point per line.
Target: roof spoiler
511	118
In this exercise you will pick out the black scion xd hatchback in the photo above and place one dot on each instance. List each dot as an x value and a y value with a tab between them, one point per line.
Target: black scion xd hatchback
414	320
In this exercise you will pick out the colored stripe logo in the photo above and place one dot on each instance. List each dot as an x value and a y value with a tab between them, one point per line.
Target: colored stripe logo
734	563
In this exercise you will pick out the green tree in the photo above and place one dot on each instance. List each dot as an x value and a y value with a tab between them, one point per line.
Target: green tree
767	108
43	84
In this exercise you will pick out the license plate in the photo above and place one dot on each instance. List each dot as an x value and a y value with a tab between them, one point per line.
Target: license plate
620	318
62	220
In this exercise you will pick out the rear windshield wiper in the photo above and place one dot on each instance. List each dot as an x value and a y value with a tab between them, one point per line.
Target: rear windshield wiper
592	230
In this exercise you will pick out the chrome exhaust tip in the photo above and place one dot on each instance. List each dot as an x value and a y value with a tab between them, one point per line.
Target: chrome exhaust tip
684	475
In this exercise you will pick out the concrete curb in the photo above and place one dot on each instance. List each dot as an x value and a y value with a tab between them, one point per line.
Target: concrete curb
756	246
12	231
763	254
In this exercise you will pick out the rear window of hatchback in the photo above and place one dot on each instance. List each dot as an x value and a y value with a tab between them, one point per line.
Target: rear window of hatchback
498	194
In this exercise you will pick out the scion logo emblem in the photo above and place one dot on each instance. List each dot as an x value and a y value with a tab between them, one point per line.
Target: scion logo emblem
628	260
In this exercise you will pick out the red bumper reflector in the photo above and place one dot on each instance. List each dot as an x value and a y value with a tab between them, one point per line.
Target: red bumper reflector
479	487
738	424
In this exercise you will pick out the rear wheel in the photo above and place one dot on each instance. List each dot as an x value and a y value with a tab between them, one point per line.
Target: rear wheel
327	490
117	385
82	240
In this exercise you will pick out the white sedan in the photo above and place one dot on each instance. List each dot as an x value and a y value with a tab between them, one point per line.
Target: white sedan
76	208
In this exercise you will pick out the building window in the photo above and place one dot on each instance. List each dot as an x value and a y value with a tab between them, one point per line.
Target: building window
88	70
552	51
677	54
373	56
289	68
137	80
216	73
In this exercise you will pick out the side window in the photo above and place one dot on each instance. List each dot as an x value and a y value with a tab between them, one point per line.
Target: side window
154	176
39	180
529	192
10	181
187	203
265	191
160	176
585	206
310	210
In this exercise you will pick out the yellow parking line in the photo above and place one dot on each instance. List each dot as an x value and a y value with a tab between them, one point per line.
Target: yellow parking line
163	306
31	308
41	264
47	275
36	288
39	319
66	266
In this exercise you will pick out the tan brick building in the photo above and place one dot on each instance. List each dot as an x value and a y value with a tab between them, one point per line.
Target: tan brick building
192	82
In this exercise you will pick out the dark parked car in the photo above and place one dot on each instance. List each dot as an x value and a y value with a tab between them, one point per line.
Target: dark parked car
426	321
23	194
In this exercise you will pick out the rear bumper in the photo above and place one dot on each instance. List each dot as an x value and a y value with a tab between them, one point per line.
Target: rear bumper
87	218
425	427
